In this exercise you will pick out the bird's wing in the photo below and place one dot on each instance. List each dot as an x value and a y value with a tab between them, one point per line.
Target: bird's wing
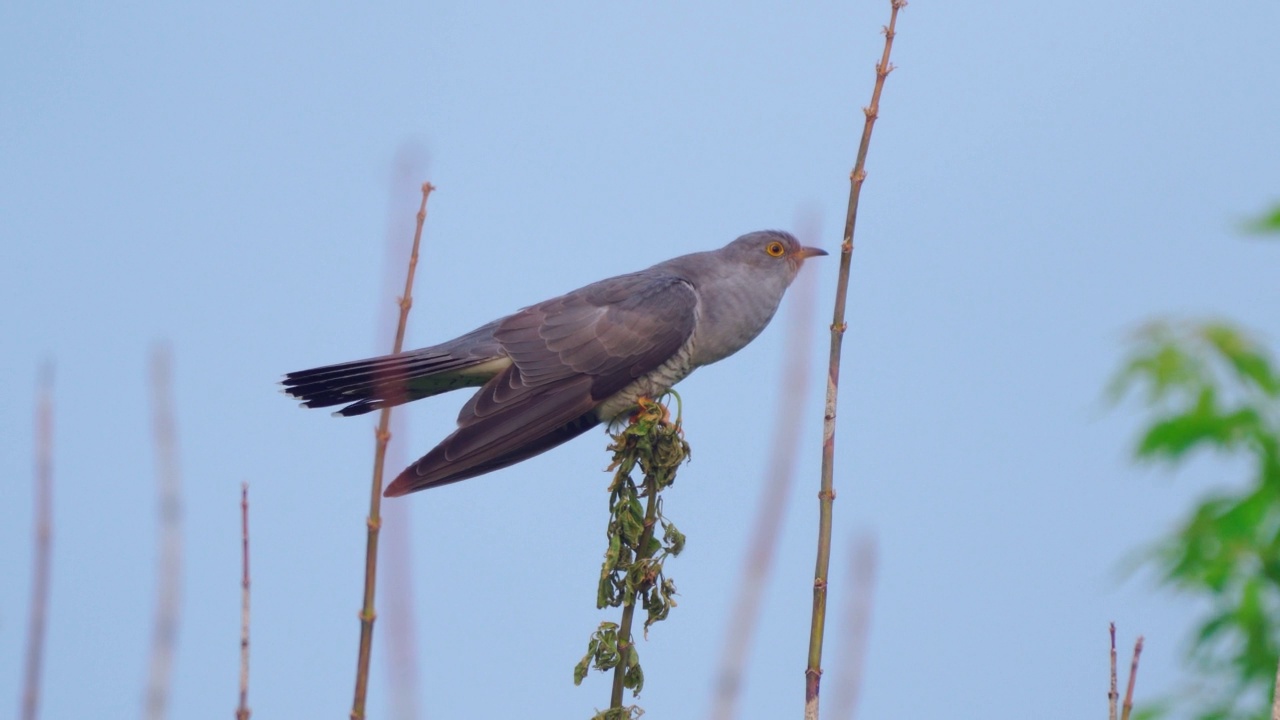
568	354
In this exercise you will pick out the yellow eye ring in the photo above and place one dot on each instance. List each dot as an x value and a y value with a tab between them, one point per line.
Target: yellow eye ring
775	249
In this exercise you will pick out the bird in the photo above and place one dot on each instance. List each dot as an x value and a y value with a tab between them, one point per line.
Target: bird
552	371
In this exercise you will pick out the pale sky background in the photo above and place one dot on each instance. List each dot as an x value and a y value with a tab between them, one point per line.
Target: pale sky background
1044	177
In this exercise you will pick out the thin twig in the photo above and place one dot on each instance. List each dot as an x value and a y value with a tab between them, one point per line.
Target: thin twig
242	710
374	521
1133	677
1113	695
813	672
773	502
164	640
42	550
857	627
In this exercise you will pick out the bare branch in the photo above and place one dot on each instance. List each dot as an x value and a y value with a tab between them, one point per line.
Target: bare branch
1113	695
1133	677
827	495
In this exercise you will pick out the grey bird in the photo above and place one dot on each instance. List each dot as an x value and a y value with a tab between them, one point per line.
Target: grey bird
554	370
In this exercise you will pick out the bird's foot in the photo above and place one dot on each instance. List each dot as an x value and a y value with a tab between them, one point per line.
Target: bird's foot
652	410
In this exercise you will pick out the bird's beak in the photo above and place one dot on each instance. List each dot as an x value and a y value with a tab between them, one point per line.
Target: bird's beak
808	252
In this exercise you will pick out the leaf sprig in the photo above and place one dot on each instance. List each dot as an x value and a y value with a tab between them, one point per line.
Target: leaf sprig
639	541
1208	386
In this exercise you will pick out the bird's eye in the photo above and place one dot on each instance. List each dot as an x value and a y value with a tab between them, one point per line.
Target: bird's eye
775	249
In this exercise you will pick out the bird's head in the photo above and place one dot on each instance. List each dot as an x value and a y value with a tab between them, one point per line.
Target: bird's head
773	252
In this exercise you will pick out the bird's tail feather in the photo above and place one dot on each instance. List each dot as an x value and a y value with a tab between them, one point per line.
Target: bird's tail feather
387	381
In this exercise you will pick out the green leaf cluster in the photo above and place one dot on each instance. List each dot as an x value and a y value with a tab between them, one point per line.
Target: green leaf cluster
633	562
1267	224
1208	386
604	654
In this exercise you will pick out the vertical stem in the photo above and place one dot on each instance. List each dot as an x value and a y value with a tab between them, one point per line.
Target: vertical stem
1127	708
242	710
164	640
813	672
625	642
374	521
1113	696
42	549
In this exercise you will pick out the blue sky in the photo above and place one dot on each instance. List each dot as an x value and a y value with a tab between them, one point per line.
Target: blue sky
1044	177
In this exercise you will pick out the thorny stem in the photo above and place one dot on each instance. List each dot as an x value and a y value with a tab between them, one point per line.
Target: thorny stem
374	521
813	672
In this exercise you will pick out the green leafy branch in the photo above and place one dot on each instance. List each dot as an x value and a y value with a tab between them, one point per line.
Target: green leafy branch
1209	386
640	539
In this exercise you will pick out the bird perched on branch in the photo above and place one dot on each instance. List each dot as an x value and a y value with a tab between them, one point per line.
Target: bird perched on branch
554	370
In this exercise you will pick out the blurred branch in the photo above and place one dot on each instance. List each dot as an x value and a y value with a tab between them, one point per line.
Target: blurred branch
857	626
399	629
42	548
374	521
164	640
773	502
242	710
826	495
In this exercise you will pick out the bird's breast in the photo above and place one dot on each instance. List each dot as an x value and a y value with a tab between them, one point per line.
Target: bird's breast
651	385
731	313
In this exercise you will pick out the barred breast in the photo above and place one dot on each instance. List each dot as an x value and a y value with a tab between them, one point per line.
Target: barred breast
652	385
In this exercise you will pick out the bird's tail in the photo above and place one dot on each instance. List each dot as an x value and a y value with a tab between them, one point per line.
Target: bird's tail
391	380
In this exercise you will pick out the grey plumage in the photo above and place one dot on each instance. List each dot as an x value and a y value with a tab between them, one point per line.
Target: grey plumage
554	370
